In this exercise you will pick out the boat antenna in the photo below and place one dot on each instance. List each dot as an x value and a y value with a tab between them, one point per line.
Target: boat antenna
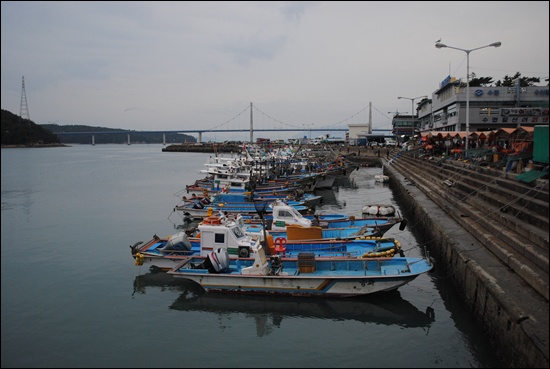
260	206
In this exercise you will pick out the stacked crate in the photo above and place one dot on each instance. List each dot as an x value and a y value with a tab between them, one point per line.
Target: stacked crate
306	262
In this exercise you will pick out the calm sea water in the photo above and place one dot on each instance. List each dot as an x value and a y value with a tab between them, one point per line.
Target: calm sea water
72	296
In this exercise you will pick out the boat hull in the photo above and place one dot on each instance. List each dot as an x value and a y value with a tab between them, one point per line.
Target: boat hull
314	286
328	278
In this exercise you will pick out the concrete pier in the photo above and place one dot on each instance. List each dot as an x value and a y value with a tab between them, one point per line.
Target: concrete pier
489	233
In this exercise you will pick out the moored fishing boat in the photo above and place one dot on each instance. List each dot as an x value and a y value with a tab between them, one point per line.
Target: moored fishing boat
199	209
215	232
281	215
304	275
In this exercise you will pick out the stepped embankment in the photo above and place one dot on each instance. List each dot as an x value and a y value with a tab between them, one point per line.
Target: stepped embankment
488	232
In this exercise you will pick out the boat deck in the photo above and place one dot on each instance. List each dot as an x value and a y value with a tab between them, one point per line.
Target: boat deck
345	268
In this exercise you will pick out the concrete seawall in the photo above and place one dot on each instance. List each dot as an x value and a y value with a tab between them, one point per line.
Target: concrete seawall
508	293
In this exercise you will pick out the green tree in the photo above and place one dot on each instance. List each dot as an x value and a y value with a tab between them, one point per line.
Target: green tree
523	81
482	81
19	131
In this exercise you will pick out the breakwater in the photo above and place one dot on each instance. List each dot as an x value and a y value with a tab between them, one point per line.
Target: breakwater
204	147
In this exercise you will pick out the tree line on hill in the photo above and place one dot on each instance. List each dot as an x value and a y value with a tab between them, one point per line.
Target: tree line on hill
17	131
119	136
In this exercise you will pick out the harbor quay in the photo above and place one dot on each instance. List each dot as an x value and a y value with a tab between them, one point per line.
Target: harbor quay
496	255
486	230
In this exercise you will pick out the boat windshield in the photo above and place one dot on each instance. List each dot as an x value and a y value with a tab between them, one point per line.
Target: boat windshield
290	213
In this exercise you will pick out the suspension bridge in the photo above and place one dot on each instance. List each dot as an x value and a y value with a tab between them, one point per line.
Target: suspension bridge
342	126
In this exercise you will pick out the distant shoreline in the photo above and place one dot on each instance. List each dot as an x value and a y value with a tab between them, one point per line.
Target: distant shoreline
32	146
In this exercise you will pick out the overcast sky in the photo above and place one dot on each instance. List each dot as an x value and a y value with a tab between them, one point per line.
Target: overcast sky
183	65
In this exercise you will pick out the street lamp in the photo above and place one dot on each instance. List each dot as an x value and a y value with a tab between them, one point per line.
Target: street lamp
439	45
308	125
412	105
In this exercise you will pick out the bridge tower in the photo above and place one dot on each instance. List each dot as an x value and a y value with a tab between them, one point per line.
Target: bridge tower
24	108
251	126
369	130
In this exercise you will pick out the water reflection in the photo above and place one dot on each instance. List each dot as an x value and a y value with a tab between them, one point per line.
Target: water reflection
12	199
329	197
269	312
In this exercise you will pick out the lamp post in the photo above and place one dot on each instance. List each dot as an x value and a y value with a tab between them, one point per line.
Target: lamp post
412	105
308	125
439	45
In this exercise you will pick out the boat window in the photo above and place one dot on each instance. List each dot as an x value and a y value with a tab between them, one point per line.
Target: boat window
219	237
285	214
237	232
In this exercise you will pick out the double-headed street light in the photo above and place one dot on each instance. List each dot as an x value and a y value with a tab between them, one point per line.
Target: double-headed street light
439	45
412	105
310	124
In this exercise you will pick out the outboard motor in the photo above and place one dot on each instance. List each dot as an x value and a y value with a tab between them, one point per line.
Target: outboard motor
219	260
216	261
187	218
178	242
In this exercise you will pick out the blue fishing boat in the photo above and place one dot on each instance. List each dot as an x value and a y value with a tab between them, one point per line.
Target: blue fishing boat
297	232
282	215
304	275
296	198
200	209
215	232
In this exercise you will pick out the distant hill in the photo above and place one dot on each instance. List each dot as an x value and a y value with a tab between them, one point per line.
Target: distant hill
135	137
17	131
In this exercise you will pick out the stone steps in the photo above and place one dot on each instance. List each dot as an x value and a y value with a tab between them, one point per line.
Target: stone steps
505	204
518	236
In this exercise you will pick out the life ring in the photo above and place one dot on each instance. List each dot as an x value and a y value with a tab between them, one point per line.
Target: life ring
212	220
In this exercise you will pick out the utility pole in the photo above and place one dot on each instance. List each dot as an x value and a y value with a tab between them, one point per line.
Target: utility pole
24	108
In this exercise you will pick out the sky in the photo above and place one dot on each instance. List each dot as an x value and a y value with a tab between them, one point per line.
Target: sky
302	64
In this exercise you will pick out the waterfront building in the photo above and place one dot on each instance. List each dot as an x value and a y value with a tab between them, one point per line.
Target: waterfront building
491	108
